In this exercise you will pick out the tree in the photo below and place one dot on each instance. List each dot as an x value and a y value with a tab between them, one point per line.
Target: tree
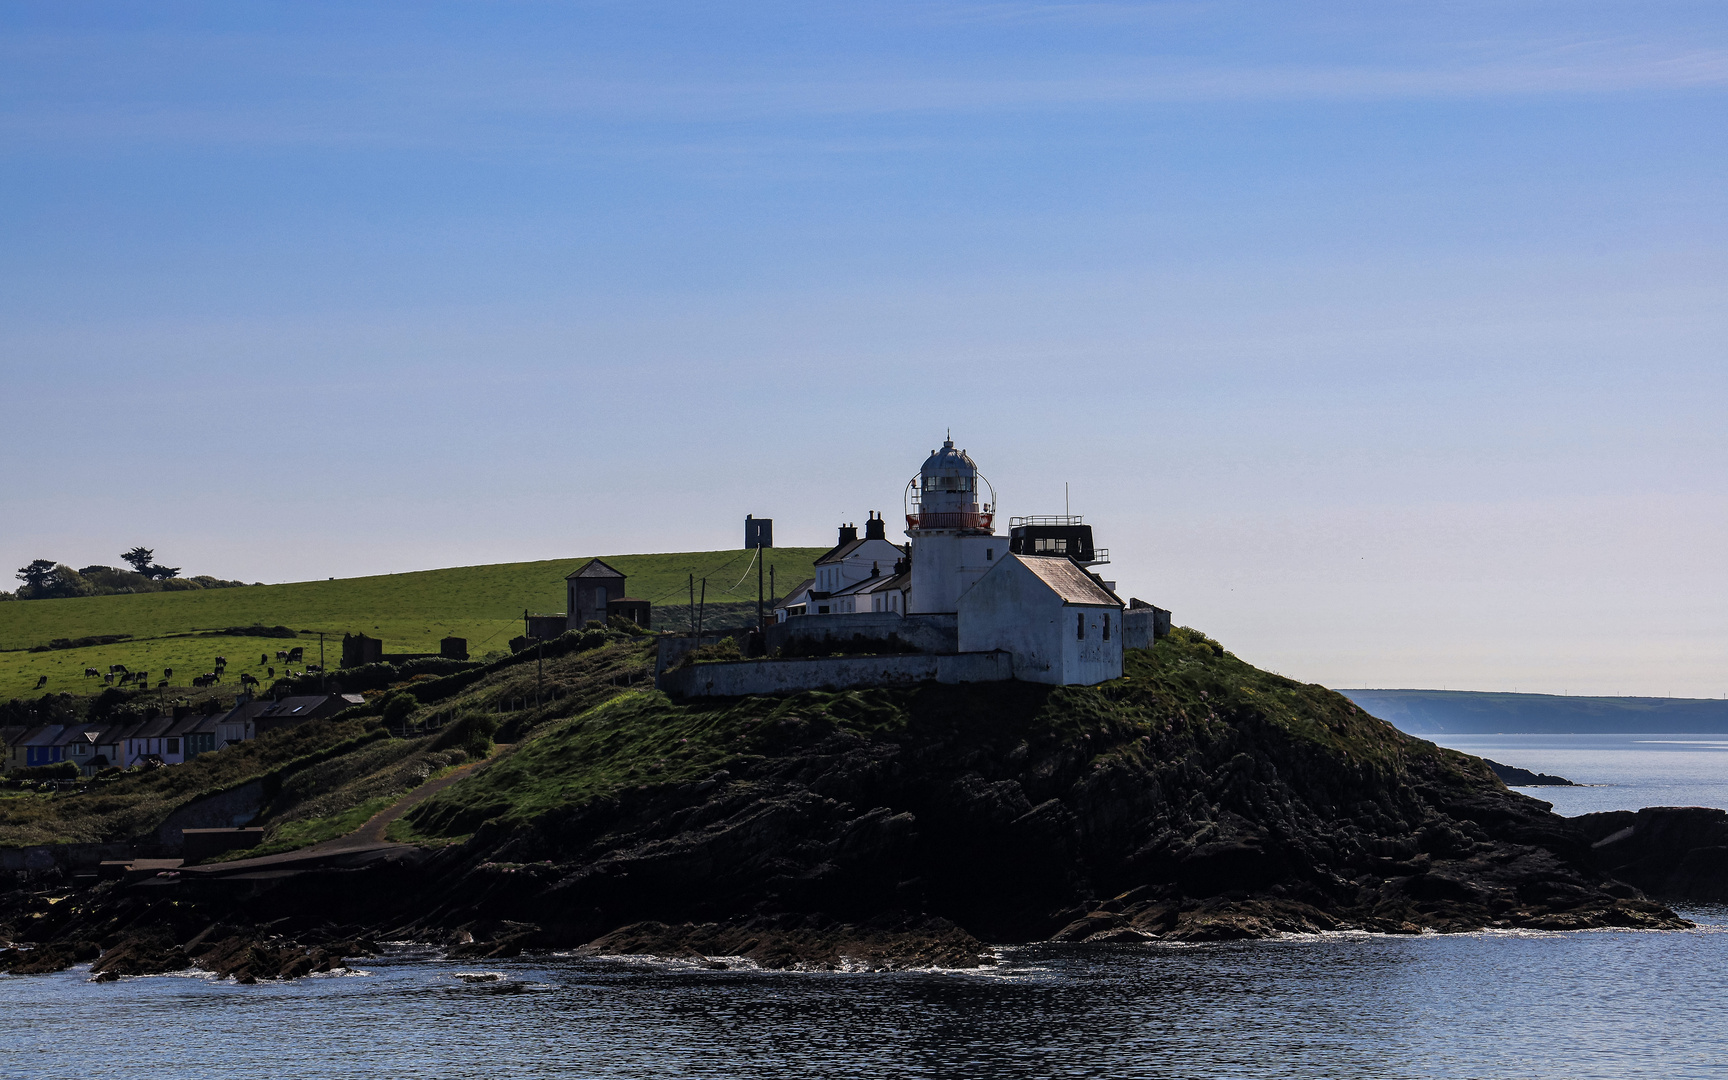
37	573
140	558
162	573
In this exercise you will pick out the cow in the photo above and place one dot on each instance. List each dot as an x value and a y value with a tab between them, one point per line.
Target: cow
296	654
43	681
142	678
248	679
201	681
163	685
281	654
270	671
263	658
116	669
89	671
108	680
221	661
167	673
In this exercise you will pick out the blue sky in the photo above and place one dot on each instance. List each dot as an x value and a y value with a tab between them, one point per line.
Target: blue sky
1385	342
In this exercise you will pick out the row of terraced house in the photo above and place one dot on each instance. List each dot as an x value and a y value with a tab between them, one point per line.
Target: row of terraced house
170	739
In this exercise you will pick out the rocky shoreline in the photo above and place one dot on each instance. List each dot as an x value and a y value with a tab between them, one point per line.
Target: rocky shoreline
1198	799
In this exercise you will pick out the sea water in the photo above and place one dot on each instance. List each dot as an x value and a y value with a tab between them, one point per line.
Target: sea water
1607	1003
1482	1005
1623	772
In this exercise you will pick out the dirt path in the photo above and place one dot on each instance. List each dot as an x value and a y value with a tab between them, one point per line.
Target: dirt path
373	831
368	837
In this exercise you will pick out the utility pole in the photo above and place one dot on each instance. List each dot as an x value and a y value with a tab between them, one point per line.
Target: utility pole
692	603
700	610
323	676
539	668
761	627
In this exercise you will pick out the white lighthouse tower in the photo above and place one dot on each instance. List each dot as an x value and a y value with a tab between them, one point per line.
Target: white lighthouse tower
953	542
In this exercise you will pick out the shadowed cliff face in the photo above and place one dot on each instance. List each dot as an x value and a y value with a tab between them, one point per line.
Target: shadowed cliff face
1173	800
1195	799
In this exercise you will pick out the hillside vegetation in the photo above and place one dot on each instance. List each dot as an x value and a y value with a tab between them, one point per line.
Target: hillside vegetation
1195	798
410	612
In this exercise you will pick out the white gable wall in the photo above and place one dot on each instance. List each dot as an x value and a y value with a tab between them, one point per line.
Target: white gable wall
1012	609
832	577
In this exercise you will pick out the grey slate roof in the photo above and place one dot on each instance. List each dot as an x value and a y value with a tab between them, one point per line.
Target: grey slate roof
839	552
594	569
1067	580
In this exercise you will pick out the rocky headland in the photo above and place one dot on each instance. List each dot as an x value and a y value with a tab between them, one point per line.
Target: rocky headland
1196	799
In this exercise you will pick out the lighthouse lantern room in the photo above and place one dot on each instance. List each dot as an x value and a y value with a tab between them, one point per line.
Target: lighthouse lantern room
953	541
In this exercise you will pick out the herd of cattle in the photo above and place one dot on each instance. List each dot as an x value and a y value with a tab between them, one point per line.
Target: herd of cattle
141	679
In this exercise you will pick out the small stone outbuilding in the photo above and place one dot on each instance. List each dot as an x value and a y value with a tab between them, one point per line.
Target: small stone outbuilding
589	591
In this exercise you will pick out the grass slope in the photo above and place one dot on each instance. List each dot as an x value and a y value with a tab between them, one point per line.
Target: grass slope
643	739
410	612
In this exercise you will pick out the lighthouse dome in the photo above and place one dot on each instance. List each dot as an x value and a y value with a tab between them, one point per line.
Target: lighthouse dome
944	494
948	460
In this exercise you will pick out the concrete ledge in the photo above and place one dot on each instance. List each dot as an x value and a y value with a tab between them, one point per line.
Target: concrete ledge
739	678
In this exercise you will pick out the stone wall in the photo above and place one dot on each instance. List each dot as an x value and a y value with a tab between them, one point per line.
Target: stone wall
738	678
1141	626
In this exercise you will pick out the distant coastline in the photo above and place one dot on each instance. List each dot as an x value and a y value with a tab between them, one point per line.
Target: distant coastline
1469	712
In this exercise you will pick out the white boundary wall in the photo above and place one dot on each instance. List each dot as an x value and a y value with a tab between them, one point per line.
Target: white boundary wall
741	677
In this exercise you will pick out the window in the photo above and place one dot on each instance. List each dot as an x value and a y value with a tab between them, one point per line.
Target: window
1106	628
821	609
173	746
989	554
1080	625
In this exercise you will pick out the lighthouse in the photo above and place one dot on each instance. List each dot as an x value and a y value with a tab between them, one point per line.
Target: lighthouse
953	540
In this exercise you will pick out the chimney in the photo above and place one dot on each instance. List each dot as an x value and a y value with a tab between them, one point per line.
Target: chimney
875	528
848	533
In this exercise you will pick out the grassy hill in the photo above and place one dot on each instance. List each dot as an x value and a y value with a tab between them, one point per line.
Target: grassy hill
410	612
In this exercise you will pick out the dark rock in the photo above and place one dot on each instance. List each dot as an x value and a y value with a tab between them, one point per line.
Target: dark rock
804	942
1512	776
1672	851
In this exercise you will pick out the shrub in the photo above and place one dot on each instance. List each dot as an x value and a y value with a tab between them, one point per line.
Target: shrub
724	649
470	732
60	770
398	707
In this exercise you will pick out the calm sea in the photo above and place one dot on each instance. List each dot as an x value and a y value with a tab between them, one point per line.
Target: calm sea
1625	772
1591	1004
1486	1005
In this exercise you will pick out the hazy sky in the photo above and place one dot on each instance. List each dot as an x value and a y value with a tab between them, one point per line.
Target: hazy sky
1386	342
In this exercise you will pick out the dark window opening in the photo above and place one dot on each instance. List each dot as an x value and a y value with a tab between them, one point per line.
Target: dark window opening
1080	626
1106	628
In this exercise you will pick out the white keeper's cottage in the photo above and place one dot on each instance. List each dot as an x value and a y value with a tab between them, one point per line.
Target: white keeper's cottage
1060	625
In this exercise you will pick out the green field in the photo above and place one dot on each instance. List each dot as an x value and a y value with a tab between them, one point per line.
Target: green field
410	612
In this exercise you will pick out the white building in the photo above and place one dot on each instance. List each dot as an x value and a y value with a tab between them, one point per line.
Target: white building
1059	624
963	588
852	566
953	539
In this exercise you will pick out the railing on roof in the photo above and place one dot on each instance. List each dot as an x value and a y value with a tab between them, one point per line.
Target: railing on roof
950	519
1045	519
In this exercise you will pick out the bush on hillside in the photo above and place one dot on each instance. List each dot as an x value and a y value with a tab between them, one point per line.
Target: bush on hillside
720	651
60	770
470	732
398	707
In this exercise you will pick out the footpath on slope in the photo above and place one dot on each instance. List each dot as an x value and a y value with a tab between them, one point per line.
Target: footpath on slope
365	844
